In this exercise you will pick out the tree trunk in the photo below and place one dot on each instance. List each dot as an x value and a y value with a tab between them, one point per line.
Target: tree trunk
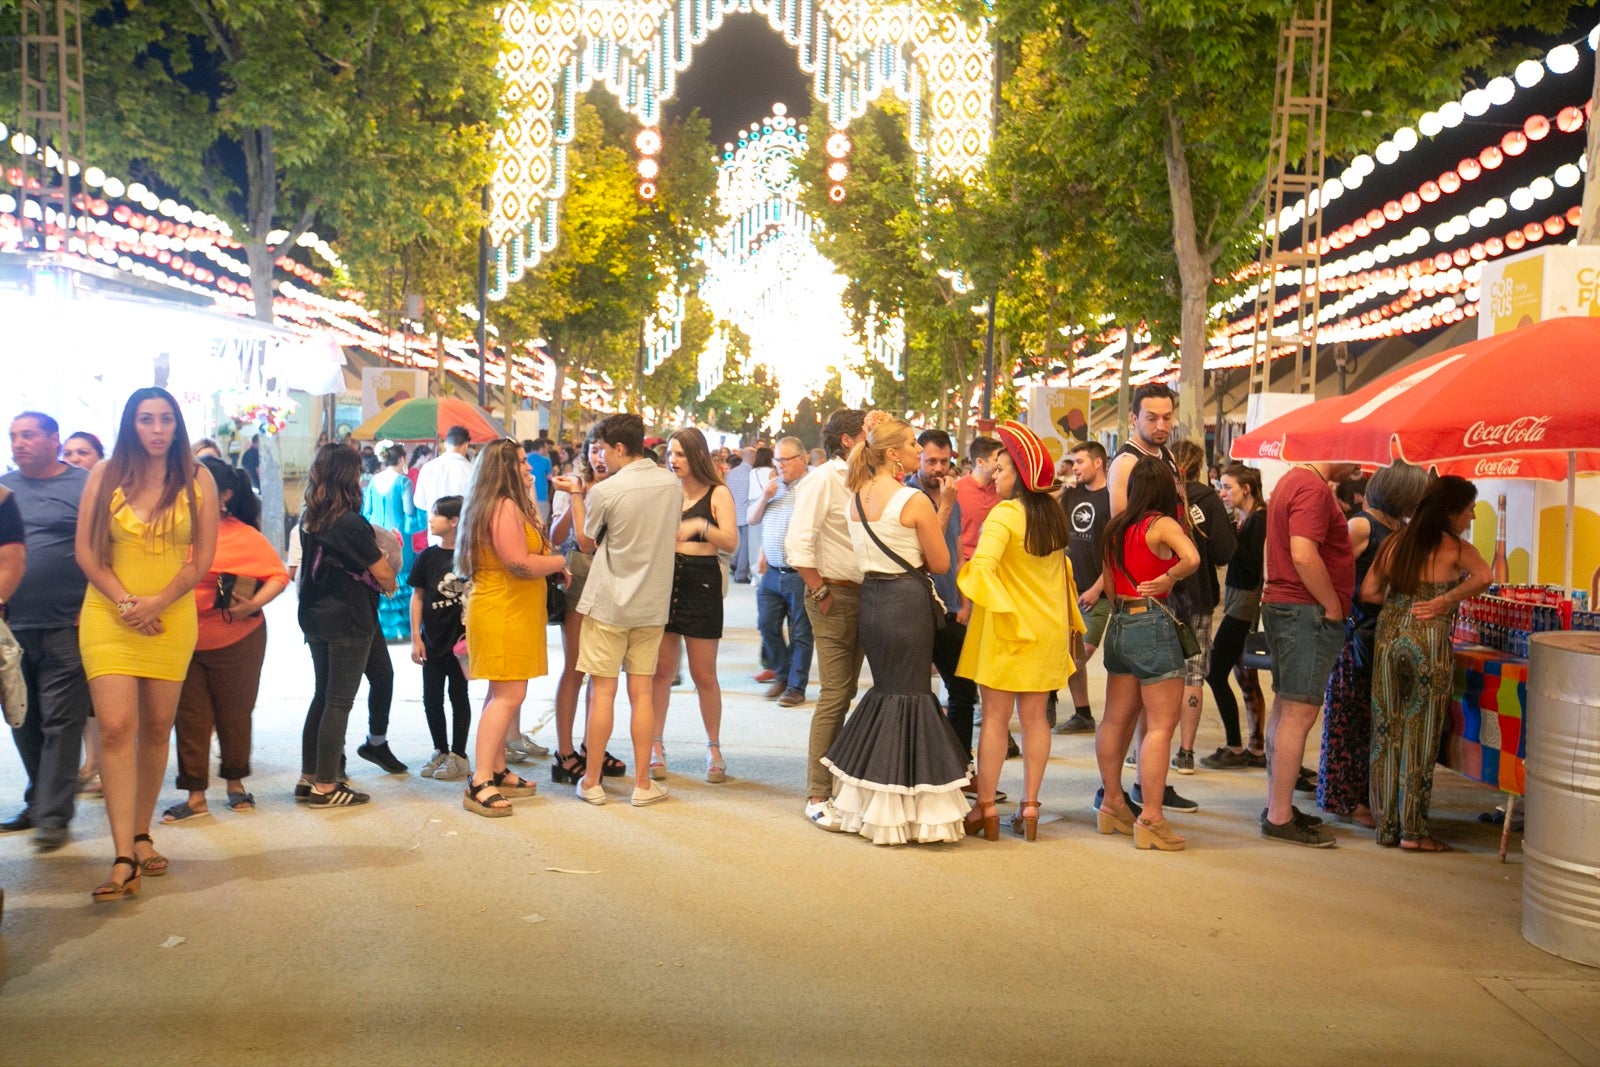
1124	387
261	172
558	406
1589	223
1194	274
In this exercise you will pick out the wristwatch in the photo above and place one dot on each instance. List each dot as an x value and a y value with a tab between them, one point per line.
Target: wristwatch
819	594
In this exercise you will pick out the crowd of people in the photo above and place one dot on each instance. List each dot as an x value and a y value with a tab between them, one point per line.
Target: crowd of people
135	583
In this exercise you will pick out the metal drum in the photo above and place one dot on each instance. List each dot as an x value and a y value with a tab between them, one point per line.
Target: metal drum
1561	845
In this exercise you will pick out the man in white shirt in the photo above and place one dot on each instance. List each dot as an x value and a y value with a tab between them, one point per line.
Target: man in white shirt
818	547
447	474
632	528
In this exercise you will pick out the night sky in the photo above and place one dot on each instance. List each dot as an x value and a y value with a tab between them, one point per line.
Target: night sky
738	74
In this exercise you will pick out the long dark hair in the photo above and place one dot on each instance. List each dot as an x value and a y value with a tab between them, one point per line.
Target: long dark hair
698	455
243	504
125	467
1409	550
332	488
1151	491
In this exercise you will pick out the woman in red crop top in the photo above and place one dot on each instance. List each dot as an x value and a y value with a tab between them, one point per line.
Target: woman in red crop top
1147	552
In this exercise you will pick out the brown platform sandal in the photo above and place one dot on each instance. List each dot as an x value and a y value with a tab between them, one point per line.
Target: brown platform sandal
115	890
155	864
513	785
984	823
491	804
1026	826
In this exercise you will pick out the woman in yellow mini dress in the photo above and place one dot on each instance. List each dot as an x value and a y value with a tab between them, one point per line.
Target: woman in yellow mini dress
507	559
147	531
1024	613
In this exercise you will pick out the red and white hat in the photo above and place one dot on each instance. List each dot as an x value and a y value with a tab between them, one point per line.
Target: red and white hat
1034	465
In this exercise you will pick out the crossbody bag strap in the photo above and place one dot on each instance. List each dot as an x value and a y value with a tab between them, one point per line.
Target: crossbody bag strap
891	553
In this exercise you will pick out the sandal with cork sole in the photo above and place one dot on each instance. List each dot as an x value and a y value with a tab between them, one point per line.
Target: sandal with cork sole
115	890
483	799
1156	835
982	821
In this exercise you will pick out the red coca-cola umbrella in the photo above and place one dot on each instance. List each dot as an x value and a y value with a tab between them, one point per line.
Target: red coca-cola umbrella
1524	404
1519	405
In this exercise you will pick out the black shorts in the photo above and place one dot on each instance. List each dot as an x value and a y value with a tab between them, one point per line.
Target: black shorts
696	597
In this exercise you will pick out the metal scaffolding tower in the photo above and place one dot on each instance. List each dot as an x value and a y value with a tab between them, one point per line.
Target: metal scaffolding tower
1295	162
53	115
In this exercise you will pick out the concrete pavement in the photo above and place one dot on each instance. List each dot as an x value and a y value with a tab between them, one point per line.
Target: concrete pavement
720	927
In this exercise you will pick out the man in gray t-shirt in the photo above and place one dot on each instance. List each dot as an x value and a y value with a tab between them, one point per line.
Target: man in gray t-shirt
633	517
44	617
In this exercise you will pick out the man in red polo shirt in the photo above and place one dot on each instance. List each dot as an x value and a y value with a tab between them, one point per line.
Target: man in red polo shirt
976	494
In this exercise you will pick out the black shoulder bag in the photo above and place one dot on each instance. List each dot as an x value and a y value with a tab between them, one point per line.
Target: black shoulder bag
934	603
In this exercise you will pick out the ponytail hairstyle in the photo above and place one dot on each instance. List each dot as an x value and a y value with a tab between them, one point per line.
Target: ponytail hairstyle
1151	491
880	432
243	504
1250	479
129	465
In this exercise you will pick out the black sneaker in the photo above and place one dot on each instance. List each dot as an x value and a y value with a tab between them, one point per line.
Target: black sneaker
1013	750
22	820
342	796
1169	799
1225	759
1183	762
383	757
49	838
1306	782
1078	724
1295	832
1299	816
1133	805
1257	759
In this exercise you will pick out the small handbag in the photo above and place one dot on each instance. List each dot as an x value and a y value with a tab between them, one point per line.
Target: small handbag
555	601
936	605
1186	638
1257	654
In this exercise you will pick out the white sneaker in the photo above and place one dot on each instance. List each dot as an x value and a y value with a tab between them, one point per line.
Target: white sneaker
595	795
453	769
649	795
528	747
433	764
825	815
516	755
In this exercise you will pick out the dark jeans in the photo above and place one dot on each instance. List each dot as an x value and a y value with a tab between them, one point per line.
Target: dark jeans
740	567
50	739
338	666
963	691
436	673
1226	647
380	685
781	597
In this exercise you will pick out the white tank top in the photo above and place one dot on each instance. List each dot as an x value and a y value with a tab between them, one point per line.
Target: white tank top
903	539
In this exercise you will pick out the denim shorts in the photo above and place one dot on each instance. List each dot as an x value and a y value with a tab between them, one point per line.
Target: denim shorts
1305	644
1145	646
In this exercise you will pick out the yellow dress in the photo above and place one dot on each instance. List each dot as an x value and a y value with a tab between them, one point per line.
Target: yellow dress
505	619
1024	609
145	559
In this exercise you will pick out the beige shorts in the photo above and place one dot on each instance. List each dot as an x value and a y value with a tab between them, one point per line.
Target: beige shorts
606	651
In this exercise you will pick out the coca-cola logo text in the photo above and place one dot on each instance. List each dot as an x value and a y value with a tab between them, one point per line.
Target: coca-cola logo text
1497	468
1527	430
1271	449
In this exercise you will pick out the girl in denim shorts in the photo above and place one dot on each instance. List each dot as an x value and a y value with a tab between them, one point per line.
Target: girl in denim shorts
1147	553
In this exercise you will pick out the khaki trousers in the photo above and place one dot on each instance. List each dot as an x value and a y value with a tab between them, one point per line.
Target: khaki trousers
838	659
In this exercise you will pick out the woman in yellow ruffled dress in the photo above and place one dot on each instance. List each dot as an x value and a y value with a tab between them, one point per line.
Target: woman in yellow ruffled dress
147	531
1024	616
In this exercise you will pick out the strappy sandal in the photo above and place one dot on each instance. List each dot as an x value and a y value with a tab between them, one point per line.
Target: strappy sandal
241	802
610	766
155	864
1026	826
658	767
115	890
490	804
567	769
716	769
513	785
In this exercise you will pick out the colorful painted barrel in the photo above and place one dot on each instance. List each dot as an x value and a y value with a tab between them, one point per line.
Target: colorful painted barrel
1561	846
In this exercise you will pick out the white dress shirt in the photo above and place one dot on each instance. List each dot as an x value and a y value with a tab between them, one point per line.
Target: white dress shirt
819	533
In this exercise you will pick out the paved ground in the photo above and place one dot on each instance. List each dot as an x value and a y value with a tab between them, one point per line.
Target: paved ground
719	927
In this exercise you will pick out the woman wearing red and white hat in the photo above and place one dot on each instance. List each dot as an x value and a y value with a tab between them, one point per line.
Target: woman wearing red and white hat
1024	615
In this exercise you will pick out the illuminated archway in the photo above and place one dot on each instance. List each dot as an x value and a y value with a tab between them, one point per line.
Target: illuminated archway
938	64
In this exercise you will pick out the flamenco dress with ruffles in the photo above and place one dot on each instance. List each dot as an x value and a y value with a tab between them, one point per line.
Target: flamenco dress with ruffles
386	503
145	557
897	765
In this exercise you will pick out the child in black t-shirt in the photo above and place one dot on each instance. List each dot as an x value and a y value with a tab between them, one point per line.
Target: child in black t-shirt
436	627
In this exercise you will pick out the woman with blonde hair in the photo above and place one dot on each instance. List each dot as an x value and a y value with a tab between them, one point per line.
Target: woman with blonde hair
705	527
147	531
501	550
1024	619
897	765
